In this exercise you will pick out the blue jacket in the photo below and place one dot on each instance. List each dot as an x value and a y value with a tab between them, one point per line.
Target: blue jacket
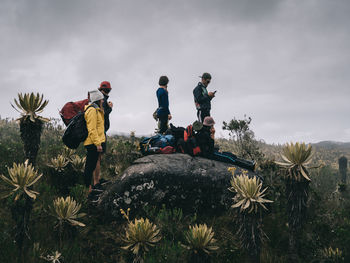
163	102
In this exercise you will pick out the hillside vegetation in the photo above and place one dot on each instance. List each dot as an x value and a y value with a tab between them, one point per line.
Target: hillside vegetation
47	236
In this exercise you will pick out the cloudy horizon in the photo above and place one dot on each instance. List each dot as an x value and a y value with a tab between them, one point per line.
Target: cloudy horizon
281	62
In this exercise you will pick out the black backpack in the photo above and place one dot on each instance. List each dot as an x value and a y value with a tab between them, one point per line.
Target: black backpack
76	131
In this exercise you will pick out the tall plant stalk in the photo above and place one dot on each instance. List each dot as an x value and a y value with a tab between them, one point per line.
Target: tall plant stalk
249	203
19	185
296	158
31	125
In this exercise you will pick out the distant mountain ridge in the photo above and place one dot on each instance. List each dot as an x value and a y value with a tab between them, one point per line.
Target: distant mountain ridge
332	145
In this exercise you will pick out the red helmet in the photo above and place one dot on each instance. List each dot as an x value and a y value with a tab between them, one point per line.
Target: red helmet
105	85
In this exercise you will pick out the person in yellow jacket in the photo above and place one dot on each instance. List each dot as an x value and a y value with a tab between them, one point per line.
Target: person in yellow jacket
95	141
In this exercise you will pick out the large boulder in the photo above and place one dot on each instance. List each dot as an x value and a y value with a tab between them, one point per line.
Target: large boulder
193	184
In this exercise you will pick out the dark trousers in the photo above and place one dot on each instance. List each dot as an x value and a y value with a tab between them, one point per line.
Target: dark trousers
91	161
228	157
202	113
163	123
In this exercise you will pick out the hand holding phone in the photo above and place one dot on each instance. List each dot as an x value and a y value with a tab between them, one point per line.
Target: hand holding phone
211	94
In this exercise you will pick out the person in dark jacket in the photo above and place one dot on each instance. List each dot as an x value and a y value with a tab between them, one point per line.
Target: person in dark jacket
163	112
105	88
205	140
205	137
202	98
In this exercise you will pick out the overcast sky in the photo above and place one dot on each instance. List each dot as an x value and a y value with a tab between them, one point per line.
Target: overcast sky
284	63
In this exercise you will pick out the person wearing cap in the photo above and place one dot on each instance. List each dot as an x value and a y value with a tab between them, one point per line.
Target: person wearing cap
205	139
163	112
105	88
95	141
202	98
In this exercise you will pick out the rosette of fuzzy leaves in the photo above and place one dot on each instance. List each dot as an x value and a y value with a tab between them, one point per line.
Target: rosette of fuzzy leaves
296	158
78	164
30	105
58	163
21	178
200	239
140	236
66	210
249	194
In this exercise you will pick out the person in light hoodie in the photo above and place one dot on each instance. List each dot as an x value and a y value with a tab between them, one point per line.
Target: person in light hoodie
95	143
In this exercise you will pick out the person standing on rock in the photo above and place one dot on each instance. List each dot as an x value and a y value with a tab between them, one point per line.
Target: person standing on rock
105	89
95	141
202	98
163	112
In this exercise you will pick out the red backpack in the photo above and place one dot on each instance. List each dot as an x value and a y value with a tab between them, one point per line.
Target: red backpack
71	109
167	150
191	141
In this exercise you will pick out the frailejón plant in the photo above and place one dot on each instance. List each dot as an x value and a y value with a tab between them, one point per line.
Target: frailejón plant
31	124
66	210
58	163
140	236
78	164
21	178
249	203
297	158
200	239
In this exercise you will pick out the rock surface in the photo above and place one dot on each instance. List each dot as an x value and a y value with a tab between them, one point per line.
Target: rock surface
193	184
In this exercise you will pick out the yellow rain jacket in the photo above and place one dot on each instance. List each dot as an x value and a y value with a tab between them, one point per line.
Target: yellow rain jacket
95	125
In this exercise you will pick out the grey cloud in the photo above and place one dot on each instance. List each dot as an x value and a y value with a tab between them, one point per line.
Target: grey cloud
282	62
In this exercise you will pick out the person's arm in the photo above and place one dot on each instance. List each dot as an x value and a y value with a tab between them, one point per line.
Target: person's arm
106	107
91	124
166	95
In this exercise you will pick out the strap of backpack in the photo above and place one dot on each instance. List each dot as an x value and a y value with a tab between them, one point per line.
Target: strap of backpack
88	107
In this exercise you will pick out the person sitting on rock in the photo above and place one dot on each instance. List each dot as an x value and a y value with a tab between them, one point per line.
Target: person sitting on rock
205	136
205	140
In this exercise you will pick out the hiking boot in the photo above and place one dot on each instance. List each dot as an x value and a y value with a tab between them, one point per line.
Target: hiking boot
96	200
97	188
246	164
92	196
104	182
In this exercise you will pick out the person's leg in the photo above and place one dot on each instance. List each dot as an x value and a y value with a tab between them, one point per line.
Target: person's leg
199	115
163	126
97	170
228	157
204	113
90	164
